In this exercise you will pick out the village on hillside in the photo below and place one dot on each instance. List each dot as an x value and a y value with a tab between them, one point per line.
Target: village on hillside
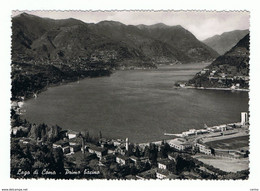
194	154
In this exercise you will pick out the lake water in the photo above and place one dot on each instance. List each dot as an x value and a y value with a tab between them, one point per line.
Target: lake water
139	104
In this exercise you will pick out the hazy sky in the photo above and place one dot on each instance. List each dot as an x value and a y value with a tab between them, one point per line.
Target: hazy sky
202	24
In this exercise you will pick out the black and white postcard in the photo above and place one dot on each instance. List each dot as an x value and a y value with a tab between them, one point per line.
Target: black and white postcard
130	95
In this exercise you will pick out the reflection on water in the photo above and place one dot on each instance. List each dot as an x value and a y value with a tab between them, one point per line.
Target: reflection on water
139	104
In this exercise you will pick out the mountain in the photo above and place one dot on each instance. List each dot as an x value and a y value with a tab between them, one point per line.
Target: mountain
186	47
224	42
230	70
78	44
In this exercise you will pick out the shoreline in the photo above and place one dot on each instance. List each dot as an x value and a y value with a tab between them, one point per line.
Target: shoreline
219	89
142	143
68	81
205	136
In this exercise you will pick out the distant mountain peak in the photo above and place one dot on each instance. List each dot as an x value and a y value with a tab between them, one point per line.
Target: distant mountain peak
26	15
224	42
159	25
153	26
110	23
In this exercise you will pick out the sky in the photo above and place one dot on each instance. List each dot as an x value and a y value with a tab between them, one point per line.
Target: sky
201	23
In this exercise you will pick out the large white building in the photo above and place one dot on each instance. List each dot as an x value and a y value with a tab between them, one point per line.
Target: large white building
179	144
244	118
203	149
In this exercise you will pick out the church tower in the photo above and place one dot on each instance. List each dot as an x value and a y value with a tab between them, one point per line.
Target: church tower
126	144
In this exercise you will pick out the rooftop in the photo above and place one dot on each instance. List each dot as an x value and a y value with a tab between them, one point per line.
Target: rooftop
148	173
96	148
72	132
163	172
173	154
165	161
122	157
178	141
76	140
111	148
134	157
61	142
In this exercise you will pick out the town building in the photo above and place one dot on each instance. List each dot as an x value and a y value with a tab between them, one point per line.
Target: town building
122	160
22	129
189	133
162	174
144	160
118	142
111	150
121	149
72	134
203	149
100	152
60	143
105	142
166	164
165	174
64	145
214	129
244	118
75	141
108	159
173	156
149	174
201	131
179	144
75	148
135	160
66	150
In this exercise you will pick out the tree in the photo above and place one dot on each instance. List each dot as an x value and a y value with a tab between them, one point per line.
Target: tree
100	135
146	152
137	152
27	153
58	159
153	153
16	149
25	164
106	173
130	149
34	132
87	136
162	153
39	156
83	163
38	165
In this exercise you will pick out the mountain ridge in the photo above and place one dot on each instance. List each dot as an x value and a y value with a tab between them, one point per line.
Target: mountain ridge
37	39
225	41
